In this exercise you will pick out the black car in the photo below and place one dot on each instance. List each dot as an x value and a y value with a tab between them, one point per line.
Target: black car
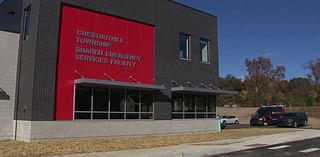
267	115
293	119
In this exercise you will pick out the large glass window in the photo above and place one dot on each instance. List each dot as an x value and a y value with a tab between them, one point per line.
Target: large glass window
204	50
83	103
201	106
189	106
211	106
105	103
133	104
147	98
184	50
100	103
177	106
117	103
26	22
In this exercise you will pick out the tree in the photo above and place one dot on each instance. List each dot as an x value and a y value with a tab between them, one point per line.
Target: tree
299	89
230	82
263	82
314	75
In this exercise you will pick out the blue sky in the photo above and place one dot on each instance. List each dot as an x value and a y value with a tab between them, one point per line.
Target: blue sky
287	31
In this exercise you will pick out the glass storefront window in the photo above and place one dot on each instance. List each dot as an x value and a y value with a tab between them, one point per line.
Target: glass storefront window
201	106
193	106
211	107
147	101
177	106
132	104
112	103
117	100
100	99
83	103
133	100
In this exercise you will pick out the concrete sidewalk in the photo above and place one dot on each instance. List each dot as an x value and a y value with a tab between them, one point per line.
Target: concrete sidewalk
215	147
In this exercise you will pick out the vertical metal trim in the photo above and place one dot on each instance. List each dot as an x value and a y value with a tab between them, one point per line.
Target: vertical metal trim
195	105
153	103
74	101
109	103
125	104
91	104
183	106
140	106
207	107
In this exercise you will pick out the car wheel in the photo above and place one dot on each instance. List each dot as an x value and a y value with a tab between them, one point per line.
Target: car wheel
265	124
224	123
295	124
237	122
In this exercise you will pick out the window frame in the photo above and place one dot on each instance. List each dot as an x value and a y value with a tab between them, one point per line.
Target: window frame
188	47
206	41
26	22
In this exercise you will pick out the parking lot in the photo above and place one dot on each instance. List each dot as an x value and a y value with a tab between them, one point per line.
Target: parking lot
244	114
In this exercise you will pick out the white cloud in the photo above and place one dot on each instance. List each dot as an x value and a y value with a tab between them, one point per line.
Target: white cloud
267	55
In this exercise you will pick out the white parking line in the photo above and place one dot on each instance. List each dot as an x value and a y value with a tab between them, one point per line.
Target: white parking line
309	150
279	147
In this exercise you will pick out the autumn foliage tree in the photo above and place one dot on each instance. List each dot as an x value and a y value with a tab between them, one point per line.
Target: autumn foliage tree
264	83
314	75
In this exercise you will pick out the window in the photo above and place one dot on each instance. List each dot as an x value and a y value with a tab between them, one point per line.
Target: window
117	103
26	22
112	103
147	99
192	106
204	50
133	104
184	50
177	106
83	103
100	103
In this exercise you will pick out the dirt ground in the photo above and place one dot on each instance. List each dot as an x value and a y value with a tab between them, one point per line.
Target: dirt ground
62	147
244	113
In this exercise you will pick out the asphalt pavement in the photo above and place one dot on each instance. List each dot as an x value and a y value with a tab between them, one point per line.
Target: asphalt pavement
310	148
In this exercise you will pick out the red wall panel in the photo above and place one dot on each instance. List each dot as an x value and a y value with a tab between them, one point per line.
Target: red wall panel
101	34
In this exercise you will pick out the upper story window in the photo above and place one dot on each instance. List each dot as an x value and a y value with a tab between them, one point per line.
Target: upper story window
26	22
204	50
184	50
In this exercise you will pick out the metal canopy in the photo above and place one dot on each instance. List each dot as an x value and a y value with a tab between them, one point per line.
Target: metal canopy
108	83
204	90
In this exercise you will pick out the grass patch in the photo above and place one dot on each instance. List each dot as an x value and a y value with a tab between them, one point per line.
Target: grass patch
60	147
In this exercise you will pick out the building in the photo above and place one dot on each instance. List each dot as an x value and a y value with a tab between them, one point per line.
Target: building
10	15
114	68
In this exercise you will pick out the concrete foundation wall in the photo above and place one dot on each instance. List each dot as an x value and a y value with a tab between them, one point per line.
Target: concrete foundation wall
41	130
8	66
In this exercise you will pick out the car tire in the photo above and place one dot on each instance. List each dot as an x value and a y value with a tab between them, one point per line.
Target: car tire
295	124
236	122
265	124
224	123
